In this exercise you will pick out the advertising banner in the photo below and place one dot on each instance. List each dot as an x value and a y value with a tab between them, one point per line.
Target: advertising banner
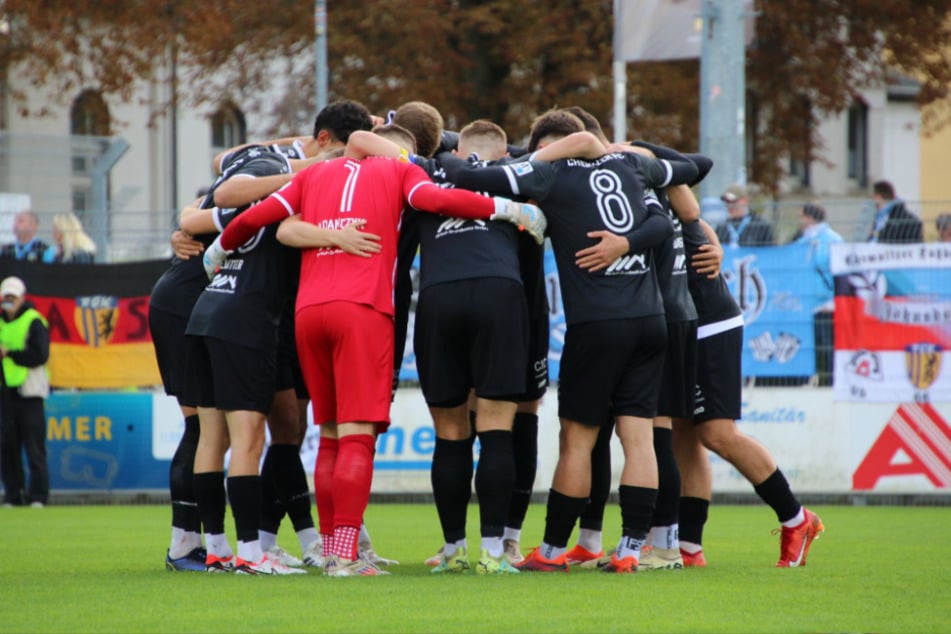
892	322
102	441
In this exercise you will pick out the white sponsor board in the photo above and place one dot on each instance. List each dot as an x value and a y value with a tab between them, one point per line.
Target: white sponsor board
857	257
822	445
168	425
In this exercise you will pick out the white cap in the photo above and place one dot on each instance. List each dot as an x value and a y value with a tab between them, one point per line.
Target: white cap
12	286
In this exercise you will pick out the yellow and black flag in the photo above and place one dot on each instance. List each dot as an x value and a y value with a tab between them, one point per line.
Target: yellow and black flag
98	320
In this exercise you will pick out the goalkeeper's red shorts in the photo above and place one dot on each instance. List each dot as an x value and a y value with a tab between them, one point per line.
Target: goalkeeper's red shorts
346	355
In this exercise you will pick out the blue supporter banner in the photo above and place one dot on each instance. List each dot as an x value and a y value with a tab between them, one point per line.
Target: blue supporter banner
556	316
778	289
408	370
101	441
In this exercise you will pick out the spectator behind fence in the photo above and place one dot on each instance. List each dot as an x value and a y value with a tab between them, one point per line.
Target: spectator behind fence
894	223
816	232
72	244
742	228
25	349
27	246
943	224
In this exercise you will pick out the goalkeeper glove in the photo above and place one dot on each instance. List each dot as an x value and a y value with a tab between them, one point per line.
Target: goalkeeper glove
213	257
525	216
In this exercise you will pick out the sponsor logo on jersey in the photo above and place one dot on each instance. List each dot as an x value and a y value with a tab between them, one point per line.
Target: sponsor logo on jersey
96	317
630	264
223	283
453	226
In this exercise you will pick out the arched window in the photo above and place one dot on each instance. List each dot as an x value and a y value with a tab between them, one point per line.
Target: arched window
227	128
89	115
89	120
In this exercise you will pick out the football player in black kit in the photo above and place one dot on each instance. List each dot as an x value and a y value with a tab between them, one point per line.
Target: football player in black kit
614	343
489	141
679	376
236	384
471	327
713	424
170	305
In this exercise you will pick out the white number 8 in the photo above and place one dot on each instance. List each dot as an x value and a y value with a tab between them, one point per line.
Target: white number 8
613	205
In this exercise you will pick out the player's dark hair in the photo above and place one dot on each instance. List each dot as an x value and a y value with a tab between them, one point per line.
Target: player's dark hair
556	123
397	134
884	189
425	124
590	122
342	117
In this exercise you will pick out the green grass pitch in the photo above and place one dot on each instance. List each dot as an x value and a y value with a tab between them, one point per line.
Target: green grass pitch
100	569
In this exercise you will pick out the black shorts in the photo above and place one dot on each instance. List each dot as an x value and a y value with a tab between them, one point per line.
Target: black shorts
168	339
289	374
233	377
678	385
471	334
536	370
719	376
611	368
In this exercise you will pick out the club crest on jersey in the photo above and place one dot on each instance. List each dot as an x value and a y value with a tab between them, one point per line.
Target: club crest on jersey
96	317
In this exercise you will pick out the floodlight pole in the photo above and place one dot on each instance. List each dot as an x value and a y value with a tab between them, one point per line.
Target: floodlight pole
320	30
723	93
619	72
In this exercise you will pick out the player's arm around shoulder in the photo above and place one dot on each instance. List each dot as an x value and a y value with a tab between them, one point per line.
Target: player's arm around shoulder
709	258
576	145
194	220
297	232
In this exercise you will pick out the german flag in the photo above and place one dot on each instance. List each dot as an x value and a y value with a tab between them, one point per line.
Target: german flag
98	320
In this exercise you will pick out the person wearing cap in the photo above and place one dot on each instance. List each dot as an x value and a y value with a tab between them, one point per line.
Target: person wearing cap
816	232
943	224
741	227
24	345
27	246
